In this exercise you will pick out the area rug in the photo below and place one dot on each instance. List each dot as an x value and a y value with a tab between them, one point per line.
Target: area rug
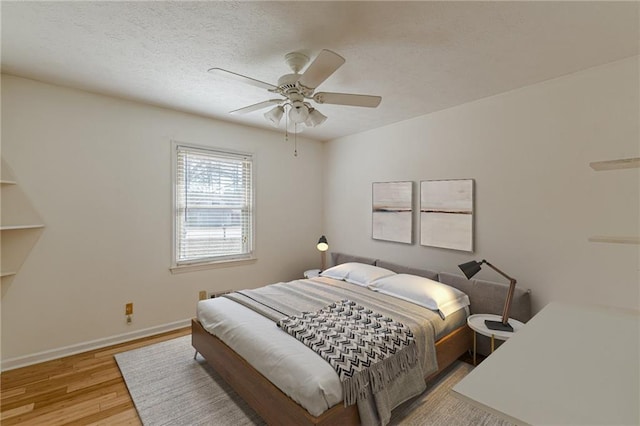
169	387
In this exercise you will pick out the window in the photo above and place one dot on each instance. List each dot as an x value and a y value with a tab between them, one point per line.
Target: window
213	205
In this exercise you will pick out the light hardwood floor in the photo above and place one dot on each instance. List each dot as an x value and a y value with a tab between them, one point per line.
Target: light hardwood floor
83	389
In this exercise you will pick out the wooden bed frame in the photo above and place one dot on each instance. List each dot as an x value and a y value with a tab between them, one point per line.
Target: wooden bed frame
277	408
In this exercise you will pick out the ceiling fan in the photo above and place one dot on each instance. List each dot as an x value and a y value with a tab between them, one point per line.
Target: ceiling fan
298	89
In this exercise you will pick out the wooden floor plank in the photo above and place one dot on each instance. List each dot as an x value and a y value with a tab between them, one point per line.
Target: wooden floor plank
18	411
86	388
13	392
62	400
36	396
99	377
83	365
63	415
46	390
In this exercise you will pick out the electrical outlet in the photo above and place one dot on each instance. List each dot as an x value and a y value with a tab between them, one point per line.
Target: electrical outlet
128	309
202	295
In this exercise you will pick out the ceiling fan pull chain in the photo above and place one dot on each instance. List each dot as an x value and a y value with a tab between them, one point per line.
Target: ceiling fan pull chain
286	135
286	126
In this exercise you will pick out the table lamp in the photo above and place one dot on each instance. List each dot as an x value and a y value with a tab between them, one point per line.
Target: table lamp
469	269
323	246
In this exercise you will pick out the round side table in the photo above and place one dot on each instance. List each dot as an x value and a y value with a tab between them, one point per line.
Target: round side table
476	323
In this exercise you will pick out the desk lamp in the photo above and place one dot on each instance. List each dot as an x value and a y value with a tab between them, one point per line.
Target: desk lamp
323	246
469	269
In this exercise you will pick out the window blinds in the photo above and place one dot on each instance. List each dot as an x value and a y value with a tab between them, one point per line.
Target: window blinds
213	205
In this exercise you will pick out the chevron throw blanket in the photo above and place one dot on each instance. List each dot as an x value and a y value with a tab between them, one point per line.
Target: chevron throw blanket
367	349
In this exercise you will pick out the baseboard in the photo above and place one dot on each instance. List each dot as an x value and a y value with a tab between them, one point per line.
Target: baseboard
23	361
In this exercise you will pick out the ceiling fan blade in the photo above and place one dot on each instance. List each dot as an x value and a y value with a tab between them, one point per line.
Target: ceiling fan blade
350	99
325	64
256	107
242	78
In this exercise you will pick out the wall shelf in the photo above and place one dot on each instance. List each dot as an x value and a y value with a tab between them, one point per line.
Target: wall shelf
616	240
18	227
21	228
624	163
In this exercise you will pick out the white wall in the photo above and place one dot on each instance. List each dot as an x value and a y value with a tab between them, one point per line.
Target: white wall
537	200
97	171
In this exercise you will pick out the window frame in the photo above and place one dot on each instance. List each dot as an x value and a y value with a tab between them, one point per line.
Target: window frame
209	262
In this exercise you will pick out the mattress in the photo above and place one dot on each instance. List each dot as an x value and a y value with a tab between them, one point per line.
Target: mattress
286	362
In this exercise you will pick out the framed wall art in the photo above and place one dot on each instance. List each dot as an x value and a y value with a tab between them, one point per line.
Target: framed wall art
446	214
392	217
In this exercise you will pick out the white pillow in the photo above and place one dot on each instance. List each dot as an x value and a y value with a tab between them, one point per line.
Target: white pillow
356	273
422	291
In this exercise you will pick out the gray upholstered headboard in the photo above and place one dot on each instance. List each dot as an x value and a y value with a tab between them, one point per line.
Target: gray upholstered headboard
487	297
339	258
400	269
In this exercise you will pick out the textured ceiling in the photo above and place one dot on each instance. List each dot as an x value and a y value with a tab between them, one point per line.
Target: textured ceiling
419	56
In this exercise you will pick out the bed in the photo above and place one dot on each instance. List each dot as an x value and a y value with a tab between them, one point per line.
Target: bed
250	373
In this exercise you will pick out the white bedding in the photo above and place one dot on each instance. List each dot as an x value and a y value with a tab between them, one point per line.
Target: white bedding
286	362
290	365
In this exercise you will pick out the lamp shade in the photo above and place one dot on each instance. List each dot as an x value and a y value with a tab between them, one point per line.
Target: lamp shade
469	269
298	112
322	244
315	118
275	115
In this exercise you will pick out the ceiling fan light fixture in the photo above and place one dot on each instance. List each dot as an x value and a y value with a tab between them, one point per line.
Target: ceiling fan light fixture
299	112
299	89
275	115
315	118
